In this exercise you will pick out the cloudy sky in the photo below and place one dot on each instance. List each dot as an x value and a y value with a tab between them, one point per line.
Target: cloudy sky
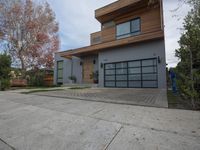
76	20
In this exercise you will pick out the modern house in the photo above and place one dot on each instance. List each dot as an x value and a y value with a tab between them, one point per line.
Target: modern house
128	52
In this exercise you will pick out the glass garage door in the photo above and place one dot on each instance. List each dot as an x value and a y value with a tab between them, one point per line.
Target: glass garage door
131	74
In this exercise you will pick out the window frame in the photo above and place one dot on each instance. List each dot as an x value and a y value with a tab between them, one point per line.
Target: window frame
132	33
58	69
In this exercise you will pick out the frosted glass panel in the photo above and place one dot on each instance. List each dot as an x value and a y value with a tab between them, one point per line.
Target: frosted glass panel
110	77
135	84
110	66
121	71
109	72
134	77
149	77
150	84
134	64
134	70
122	77
121	65
109	84
121	84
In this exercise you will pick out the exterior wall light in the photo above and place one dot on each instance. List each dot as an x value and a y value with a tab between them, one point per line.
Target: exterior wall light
81	63
101	65
159	60
94	61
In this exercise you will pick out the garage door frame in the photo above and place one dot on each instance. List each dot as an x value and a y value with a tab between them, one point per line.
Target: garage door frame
142	82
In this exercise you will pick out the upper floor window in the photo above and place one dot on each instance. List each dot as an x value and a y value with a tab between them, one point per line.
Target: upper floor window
128	29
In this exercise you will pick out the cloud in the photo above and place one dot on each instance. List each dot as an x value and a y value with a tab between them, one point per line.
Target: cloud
173	21
77	22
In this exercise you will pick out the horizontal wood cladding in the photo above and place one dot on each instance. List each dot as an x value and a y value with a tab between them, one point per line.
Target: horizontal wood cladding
98	47
113	7
150	19
150	22
151	28
108	34
88	68
96	38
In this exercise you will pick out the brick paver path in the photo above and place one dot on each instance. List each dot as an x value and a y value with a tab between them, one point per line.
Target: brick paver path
145	97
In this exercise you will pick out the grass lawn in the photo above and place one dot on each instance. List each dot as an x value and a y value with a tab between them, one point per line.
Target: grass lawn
41	90
48	89
79	88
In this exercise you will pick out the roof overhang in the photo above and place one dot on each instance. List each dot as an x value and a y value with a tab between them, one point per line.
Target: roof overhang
94	49
117	8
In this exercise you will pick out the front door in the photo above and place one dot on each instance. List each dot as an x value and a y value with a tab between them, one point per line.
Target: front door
88	68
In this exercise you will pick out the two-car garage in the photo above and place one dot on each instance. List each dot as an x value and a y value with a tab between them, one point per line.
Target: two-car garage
131	74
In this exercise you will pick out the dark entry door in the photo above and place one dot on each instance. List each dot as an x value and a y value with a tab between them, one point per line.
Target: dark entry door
131	74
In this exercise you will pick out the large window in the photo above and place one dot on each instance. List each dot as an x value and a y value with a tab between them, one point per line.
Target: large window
59	70
128	29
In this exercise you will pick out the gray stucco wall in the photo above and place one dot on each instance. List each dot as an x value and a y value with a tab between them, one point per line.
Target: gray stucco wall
67	69
145	50
71	67
77	69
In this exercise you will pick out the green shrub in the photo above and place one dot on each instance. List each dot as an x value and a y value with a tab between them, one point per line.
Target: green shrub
37	79
4	84
5	68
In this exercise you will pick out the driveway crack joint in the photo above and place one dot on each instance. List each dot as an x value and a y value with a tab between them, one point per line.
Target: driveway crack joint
113	138
7	144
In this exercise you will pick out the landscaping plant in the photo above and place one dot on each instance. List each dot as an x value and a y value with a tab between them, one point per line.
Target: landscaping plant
5	68
29	32
188	69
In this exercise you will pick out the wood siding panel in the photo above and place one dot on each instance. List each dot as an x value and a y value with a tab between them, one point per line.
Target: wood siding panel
150	19
108	34
88	68
111	8
98	47
125	41
150	22
95	35
151	28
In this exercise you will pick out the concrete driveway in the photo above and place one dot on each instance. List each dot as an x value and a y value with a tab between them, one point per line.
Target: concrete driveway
142	97
31	122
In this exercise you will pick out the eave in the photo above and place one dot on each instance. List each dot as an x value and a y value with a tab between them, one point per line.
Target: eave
117	43
117	8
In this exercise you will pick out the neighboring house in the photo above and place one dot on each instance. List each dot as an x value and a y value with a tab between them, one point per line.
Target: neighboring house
128	52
